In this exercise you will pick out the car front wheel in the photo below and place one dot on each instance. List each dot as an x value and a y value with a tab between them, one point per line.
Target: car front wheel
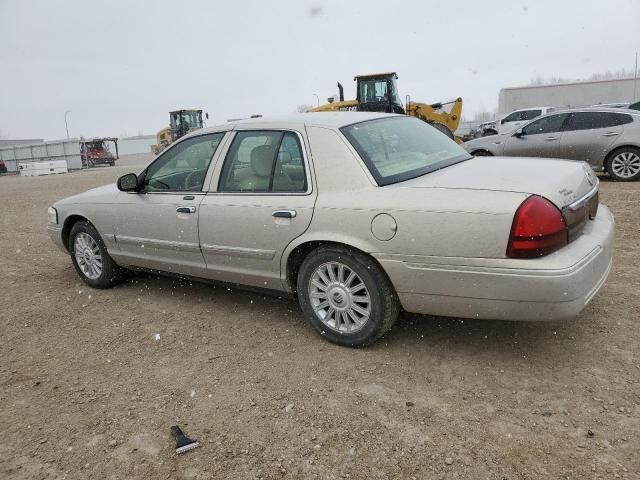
624	165
91	259
346	296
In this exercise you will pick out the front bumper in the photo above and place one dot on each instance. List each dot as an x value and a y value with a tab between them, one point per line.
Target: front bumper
55	234
554	287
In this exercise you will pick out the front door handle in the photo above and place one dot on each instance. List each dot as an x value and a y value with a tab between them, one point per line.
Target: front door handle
186	209
610	134
284	214
551	139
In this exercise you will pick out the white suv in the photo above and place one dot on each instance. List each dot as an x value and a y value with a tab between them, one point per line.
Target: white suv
513	121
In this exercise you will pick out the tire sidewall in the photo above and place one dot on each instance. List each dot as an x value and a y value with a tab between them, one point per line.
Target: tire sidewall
362	266
613	155
106	279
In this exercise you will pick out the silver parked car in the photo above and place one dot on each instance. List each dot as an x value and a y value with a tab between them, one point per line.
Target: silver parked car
606	138
356	214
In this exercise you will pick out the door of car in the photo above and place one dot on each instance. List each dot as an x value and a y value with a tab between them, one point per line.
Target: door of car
588	135
157	227
260	199
515	120
540	138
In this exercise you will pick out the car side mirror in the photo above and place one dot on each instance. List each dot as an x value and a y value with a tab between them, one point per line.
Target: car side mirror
128	182
502	121
519	134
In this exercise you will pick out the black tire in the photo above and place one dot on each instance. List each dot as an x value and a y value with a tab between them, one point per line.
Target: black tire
383	302
634	156
443	129
482	153
111	273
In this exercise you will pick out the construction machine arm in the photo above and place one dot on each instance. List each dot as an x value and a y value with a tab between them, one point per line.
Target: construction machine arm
336	106
433	113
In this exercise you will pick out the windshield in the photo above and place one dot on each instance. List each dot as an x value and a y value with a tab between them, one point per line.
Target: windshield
400	148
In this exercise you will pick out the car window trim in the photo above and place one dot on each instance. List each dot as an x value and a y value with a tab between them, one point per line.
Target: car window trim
305	164
175	144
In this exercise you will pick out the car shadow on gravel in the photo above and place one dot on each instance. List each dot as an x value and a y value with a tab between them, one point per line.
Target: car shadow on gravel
506	339
411	331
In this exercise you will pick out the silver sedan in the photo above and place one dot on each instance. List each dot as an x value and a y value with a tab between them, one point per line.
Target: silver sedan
358	215
606	138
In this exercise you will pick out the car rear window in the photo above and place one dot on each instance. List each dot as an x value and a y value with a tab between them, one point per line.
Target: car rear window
396	149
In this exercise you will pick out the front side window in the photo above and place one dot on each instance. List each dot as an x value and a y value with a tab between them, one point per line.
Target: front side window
400	148
512	117
549	124
264	162
184	166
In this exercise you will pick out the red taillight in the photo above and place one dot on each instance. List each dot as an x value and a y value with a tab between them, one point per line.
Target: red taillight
538	229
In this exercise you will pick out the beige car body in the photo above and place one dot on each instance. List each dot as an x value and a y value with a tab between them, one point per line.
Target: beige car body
441	238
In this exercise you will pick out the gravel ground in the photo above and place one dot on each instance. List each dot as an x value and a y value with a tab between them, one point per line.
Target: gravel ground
87	390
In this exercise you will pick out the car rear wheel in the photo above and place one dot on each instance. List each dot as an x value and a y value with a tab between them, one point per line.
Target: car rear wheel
90	257
624	165
346	296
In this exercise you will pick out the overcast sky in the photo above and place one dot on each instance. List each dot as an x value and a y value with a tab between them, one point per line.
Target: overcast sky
121	66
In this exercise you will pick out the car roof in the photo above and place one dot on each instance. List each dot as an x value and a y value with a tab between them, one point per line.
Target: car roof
298	120
529	108
597	109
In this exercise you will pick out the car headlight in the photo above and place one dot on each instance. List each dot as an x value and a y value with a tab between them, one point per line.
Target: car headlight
52	215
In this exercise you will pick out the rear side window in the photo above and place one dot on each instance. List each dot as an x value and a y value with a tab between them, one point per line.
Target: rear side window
264	162
593	120
548	124
530	114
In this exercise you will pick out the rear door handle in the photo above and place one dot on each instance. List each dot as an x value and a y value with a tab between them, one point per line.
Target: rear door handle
551	139
186	209
284	214
610	134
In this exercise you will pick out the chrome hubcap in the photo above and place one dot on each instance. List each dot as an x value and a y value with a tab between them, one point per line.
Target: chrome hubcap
339	297
626	164
88	257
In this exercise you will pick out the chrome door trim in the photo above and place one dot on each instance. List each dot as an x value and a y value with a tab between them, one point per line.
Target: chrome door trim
238	251
162	244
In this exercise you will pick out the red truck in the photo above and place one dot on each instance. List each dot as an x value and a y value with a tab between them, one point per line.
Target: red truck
96	151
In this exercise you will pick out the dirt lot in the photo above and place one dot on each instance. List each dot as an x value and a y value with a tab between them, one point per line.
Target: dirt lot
86	391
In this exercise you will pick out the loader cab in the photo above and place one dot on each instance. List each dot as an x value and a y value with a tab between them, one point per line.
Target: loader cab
184	121
378	93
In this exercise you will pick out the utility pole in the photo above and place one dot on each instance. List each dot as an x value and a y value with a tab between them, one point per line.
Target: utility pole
66	124
635	80
317	98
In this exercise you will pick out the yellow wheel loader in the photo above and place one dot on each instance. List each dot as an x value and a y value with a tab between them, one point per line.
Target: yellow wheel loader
378	92
181	122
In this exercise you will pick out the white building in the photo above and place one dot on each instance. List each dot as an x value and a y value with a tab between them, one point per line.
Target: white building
137	144
565	95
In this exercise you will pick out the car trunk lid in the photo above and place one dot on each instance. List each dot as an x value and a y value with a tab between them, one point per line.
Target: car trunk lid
570	185
561	181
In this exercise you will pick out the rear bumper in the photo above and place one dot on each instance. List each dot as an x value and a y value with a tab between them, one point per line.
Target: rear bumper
554	287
